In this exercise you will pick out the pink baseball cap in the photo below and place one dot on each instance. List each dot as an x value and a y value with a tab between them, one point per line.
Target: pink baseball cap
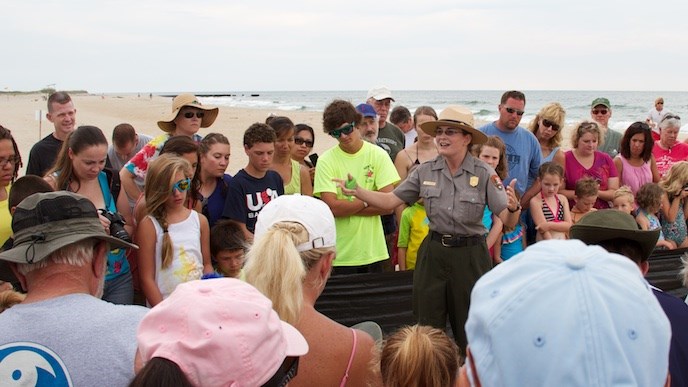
220	332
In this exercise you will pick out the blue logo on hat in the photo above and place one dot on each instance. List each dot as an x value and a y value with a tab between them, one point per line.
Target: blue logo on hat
30	364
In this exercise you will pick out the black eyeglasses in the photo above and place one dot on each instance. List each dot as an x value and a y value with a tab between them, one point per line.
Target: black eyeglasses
660	103
198	114
12	160
550	124
301	141
512	111
285	373
670	117
600	111
344	130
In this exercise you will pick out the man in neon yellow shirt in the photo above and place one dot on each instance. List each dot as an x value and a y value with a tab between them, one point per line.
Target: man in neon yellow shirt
361	246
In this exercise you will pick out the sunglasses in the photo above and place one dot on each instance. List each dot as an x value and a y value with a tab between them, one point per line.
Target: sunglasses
550	124
448	132
285	373
345	130
600	111
182	185
512	111
301	141
670	117
660	103
198	114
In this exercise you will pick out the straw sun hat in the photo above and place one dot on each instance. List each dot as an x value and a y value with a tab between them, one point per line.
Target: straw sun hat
457	117
188	100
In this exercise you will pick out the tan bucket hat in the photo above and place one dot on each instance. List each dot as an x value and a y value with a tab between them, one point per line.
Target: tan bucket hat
188	100
599	226
459	117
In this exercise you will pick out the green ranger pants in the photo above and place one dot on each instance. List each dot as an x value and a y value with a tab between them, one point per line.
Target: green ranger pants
442	284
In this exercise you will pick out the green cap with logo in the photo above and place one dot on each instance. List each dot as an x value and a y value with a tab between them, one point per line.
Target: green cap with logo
601	101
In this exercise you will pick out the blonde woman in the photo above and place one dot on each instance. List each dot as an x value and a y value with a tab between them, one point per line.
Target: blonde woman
547	126
174	241
290	262
419	355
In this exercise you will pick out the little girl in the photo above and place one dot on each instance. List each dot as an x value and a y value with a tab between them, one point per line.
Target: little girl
493	152
174	241
551	210
674	210
649	201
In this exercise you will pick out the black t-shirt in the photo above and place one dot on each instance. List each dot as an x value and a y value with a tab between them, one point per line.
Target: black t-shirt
43	155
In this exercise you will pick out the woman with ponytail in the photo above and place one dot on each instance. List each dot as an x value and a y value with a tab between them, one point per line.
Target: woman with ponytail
290	262
174	241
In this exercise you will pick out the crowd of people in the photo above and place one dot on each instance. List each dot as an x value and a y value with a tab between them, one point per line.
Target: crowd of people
212	279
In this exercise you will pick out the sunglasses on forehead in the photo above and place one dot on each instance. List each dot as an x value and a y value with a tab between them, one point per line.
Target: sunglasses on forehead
198	114
670	117
182	185
343	130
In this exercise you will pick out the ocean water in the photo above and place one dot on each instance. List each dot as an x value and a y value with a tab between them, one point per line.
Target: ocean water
627	106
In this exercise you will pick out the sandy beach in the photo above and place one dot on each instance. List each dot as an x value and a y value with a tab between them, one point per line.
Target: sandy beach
18	113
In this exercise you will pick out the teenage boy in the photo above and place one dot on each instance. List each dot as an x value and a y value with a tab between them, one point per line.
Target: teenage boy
255	185
361	246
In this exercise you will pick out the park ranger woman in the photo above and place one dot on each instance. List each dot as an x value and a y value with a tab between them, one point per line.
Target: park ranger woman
455	188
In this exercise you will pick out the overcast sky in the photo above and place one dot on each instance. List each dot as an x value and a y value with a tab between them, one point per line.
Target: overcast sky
215	45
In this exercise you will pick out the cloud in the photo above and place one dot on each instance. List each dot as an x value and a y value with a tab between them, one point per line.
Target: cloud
157	45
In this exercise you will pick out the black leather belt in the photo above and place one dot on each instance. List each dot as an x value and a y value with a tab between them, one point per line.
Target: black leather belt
449	240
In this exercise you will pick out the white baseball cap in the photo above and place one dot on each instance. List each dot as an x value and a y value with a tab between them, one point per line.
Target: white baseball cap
379	93
315	216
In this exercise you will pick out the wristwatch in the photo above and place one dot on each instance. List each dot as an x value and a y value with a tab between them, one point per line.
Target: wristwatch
517	208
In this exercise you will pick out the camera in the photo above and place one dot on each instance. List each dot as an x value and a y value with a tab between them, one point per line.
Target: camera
116	225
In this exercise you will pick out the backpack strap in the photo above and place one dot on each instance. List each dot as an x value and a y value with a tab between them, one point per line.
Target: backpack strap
113	182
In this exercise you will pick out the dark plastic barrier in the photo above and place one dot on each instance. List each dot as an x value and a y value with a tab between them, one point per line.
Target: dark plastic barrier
386	298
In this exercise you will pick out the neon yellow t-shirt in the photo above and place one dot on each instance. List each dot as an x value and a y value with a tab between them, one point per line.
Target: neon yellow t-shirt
360	239
413	228
294	186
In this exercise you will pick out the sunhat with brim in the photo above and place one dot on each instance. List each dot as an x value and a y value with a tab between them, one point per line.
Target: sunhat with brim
46	222
600	226
188	100
457	117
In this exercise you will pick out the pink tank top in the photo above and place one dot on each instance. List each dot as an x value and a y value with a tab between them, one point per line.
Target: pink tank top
635	177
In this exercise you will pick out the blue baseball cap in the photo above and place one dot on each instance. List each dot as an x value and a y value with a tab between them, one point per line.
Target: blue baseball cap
366	110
